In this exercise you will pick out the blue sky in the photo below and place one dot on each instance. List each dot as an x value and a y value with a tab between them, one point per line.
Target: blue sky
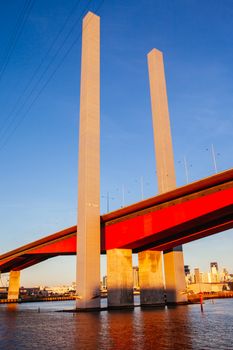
39	124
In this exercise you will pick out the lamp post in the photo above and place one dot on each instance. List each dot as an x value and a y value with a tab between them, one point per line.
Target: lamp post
186	168
214	158
107	201
213	154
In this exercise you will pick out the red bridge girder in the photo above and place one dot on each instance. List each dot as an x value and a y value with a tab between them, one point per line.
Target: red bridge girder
162	222
162	225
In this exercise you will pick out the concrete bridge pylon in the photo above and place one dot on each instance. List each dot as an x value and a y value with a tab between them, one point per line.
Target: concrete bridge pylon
120	284
88	241
173	259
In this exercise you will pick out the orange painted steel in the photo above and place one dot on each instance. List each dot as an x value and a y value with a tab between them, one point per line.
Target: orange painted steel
162	222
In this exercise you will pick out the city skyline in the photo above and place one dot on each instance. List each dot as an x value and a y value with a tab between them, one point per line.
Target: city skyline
25	201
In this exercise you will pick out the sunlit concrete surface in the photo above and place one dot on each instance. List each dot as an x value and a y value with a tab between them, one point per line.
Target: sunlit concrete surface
120	278
88	242
151	278
175	283
14	284
164	158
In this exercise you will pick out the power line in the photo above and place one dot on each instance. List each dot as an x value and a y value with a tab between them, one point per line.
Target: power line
22	19
50	76
36	71
14	35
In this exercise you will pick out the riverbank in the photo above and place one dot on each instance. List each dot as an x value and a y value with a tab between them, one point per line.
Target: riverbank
192	298
195	298
33	299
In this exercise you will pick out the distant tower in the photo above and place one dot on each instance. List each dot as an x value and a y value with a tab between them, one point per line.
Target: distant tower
214	265
186	270
214	272
197	275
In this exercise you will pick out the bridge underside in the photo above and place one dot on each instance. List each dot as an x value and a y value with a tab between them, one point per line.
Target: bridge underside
163	222
60	243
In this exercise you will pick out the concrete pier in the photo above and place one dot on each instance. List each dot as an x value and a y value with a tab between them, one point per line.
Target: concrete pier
120	278
173	262
14	284
88	241
174	272
151	278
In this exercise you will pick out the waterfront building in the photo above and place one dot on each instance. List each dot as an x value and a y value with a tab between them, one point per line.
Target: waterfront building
224	276
188	275
60	290
214	265
206	277
186	270
197	275
214	272
207	287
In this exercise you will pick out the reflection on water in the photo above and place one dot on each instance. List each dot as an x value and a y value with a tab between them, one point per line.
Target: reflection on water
185	327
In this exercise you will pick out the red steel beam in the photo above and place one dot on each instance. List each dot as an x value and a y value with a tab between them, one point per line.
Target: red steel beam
191	235
153	226
187	190
61	235
29	261
61	247
163	222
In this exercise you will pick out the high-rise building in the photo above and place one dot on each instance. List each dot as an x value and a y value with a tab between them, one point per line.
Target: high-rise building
186	270
197	275
224	275
213	265
214	272
206	277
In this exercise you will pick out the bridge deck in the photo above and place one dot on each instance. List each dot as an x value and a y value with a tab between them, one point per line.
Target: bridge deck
162	222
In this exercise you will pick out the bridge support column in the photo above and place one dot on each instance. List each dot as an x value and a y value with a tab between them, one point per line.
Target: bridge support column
120	278
173	262
88	239
174	276
151	278
14	284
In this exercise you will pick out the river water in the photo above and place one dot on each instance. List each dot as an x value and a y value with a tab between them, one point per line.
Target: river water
25	326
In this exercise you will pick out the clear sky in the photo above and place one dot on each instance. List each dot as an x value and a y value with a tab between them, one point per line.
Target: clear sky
39	83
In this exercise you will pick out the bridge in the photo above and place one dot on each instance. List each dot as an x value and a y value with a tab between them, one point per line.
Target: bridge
159	224
188	213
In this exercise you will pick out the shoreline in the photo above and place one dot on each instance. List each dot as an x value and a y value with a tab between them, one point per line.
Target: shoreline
192	299
195	298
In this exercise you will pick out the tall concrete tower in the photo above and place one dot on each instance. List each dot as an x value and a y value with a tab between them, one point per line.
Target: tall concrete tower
88	239
173	260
